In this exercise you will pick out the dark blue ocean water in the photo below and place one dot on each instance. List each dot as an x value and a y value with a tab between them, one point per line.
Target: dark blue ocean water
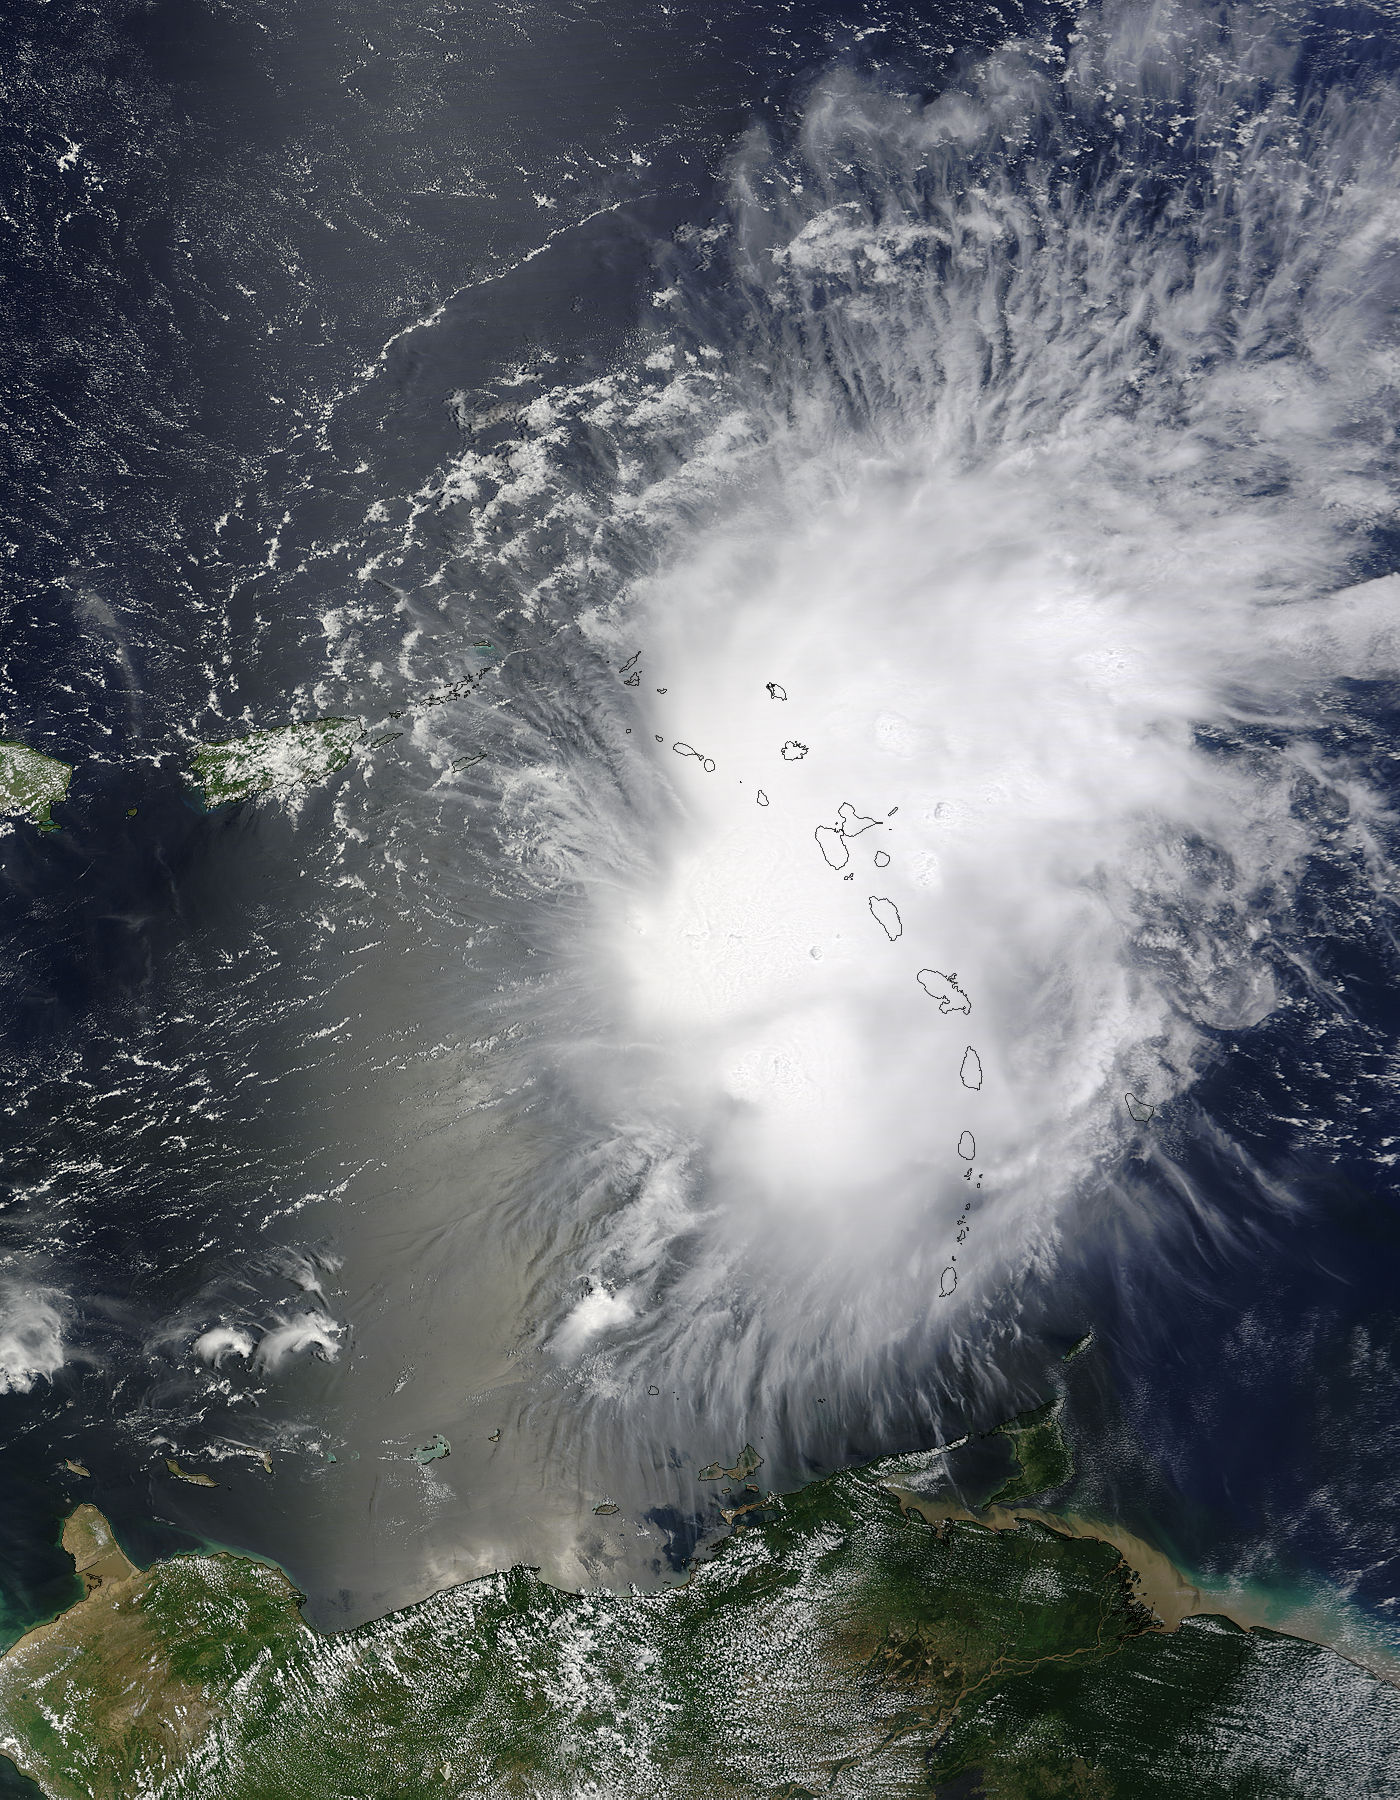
224	216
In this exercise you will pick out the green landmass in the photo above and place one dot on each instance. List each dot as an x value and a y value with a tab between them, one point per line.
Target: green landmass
747	1462
274	761
30	784
849	1647
1043	1460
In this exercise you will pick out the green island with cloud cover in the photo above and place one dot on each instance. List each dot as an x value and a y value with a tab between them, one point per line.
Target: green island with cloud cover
274	761
31	783
853	1643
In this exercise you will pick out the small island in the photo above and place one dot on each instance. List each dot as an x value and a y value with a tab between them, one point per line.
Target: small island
886	915
945	990
747	1463
192	1476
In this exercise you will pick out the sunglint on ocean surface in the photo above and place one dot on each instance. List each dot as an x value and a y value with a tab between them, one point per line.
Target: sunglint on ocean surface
699	846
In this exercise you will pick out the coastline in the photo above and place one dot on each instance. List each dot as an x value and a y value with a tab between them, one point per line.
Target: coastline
103	1567
1170	1592
948	1600
99	1563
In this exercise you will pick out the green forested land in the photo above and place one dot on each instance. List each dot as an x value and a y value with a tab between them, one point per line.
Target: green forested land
1043	1460
275	761
31	783
845	1648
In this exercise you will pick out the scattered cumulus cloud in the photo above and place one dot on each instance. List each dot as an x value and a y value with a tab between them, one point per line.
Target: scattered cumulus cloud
222	1341
31	1337
314	1331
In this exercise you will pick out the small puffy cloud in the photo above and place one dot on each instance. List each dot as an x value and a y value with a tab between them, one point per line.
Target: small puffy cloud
222	1341
315	1331
31	1337
597	1312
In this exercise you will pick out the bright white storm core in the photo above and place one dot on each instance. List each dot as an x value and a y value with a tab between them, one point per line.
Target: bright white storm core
850	777
953	595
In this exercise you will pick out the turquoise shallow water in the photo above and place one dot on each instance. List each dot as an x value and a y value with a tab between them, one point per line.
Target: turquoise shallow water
336	1075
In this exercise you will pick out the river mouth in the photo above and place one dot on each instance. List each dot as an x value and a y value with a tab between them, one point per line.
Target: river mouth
864	659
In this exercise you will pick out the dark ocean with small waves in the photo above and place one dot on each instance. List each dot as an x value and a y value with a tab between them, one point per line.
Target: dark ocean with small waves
863	543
